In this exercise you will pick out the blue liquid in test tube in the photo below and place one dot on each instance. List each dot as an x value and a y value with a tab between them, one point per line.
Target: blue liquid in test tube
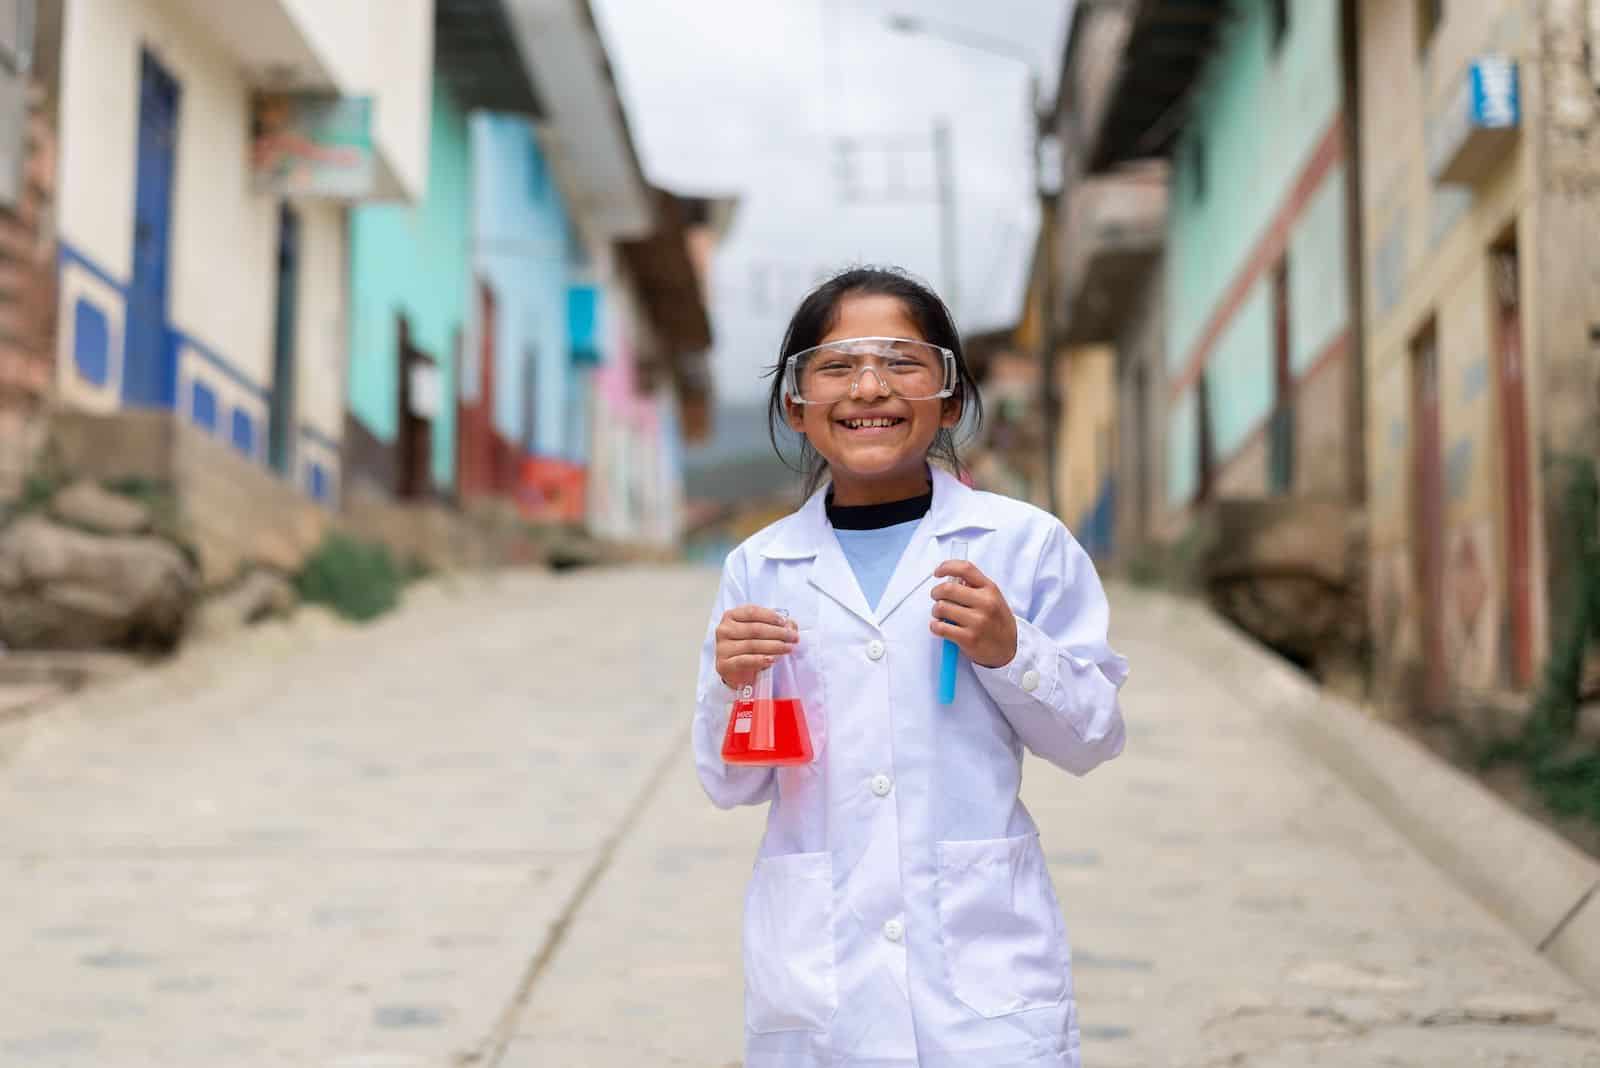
950	654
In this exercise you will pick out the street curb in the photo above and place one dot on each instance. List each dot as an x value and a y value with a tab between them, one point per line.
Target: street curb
1542	887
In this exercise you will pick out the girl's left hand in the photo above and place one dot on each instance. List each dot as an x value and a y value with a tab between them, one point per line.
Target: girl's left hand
973	613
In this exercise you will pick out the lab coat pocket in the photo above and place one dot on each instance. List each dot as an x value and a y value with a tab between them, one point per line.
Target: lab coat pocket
1005	946
788	944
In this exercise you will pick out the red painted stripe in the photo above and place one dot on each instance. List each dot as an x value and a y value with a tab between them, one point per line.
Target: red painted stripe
1329	151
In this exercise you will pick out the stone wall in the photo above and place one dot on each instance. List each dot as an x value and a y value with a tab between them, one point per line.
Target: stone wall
234	511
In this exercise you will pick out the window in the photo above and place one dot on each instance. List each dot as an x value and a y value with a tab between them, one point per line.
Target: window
1430	13
1278	23
1197	165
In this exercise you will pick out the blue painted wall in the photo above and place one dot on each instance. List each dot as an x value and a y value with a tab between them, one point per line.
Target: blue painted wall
414	260
521	238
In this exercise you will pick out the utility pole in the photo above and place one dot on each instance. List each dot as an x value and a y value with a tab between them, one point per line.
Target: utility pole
1045	153
850	153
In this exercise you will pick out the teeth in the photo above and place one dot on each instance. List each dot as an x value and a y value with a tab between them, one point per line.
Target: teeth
857	424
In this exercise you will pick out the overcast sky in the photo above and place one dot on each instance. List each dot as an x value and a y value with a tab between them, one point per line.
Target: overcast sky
751	97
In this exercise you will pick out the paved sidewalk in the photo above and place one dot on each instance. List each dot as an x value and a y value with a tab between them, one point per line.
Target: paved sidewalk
470	835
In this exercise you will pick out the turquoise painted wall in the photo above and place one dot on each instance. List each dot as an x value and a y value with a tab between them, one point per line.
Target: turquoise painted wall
521	244
1319	277
413	260
1239	374
1259	113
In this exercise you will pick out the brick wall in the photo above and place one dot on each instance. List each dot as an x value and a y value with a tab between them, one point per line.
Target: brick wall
27	299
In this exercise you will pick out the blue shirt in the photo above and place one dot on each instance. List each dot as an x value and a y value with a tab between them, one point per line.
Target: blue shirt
873	555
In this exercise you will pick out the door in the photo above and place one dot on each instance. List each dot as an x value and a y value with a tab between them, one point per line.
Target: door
1427	515
1517	496
281	432
149	369
418	398
1280	440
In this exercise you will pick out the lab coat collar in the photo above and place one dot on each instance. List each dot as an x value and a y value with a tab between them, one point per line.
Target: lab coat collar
808	535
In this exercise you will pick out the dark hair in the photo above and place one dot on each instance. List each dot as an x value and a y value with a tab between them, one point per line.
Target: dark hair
817	314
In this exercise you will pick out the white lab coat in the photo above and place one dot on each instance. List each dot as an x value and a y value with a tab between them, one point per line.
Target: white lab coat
900	913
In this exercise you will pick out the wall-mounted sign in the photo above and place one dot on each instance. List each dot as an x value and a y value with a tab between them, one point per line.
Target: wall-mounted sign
1479	125
313	145
583	324
426	390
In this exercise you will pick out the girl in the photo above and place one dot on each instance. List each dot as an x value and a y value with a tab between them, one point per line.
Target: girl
900	913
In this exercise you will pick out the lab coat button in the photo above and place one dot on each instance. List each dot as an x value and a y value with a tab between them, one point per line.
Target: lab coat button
1030	681
894	930
875	649
881	785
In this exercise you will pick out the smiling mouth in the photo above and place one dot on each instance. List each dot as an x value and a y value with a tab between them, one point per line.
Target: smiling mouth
877	422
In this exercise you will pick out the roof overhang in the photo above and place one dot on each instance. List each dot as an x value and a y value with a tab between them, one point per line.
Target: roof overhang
585	132
1167	47
479	56
666	281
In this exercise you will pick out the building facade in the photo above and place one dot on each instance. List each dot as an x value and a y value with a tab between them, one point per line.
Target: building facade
1481	199
1260	326
1109	235
202	218
408	284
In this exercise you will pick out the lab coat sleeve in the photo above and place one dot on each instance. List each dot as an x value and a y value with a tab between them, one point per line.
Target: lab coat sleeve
727	785
1060	690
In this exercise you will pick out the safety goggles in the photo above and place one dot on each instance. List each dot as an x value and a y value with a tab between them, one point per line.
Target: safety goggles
832	372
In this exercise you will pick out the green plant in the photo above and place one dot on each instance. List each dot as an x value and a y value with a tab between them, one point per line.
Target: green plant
359	580
1566	773
37	489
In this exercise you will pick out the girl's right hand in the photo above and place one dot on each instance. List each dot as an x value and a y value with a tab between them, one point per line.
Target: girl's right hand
750	639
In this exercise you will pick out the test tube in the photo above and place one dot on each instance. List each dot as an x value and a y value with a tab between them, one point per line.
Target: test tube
949	656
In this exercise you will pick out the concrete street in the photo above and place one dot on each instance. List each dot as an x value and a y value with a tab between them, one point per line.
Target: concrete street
470	834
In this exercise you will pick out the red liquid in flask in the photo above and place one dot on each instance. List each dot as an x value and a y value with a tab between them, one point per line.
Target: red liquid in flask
746	741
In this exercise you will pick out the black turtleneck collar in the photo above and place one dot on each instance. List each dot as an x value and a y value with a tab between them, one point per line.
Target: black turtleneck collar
878	516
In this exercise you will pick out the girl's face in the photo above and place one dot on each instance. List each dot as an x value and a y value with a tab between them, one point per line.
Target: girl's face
871	464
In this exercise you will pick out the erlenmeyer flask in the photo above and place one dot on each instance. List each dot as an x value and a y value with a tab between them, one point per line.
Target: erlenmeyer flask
767	724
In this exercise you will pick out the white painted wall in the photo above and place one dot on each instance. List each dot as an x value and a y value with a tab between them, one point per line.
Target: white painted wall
99	129
392	59
321	335
223	256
